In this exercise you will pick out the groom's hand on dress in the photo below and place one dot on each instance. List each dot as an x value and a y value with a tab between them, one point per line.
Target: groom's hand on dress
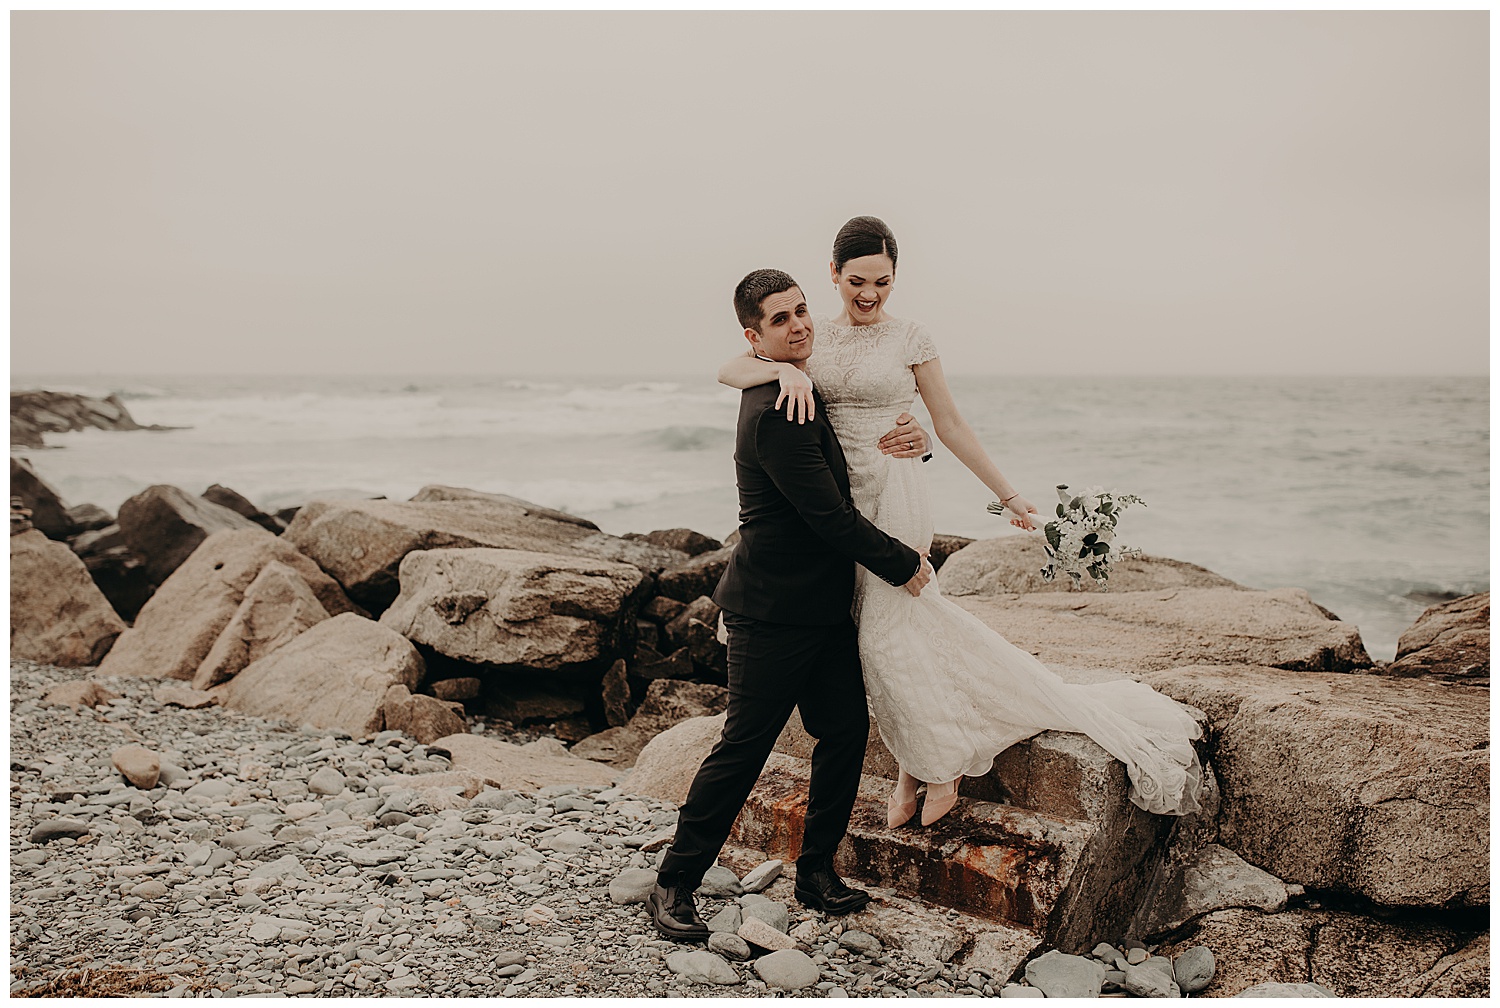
922	578
906	440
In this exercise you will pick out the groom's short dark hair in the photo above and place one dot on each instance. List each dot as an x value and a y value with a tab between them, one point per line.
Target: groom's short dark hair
754	289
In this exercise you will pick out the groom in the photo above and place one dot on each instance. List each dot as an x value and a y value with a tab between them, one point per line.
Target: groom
786	597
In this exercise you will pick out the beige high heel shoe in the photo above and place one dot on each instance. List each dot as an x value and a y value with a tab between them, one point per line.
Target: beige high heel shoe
940	801
898	813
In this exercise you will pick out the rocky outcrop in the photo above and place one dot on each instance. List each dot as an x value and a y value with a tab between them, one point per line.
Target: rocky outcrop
361	543
334	675
514	607
507	766
34	413
1350	954
236	502
179	625
164	525
1010	565
48	512
1449	641
278	605
1135	632
667	702
1365	784
57	615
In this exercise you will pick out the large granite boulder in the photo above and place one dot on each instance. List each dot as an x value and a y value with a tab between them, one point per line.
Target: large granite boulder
1364	784
118	571
164	524
439	492
424	718
695	577
240	505
1449	641
667	702
684	540
334	675
514	607
278	605
57	614
48	512
514	767
179	625
666	766
361	542
1350	954
1137	631
90	517
1012	564
943	547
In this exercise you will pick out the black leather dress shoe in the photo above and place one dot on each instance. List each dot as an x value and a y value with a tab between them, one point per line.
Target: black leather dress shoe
822	889
674	913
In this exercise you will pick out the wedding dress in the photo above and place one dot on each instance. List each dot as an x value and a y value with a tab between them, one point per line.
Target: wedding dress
947	692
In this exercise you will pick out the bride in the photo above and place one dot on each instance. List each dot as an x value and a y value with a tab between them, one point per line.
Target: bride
947	692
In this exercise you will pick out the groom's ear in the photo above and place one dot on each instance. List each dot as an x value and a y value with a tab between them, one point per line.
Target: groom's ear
753	337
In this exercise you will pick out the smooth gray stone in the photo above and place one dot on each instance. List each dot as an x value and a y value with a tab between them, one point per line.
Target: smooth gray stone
1194	969
727	920
1149	982
1058	974
772	912
1020	991
788	969
1287	990
56	829
761	876
1105	952
731	945
702	967
632	885
720	881
858	941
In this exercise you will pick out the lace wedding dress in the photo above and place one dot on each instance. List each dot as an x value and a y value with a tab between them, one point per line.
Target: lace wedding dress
948	693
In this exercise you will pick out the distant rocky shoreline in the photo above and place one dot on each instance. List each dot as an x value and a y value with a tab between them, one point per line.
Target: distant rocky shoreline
462	659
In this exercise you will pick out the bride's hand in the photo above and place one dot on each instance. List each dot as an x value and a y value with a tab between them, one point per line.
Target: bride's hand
1025	514
797	393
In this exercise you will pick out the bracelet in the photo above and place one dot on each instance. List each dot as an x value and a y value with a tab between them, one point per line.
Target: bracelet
1011	497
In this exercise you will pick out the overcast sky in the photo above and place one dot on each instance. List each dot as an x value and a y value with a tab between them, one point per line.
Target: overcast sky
524	193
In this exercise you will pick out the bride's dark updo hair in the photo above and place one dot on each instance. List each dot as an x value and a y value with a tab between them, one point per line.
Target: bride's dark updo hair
863	236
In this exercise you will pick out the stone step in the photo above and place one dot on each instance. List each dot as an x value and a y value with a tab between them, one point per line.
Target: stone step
1061	774
1073	880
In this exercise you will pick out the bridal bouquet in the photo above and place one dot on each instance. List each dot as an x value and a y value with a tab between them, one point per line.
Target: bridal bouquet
1080	540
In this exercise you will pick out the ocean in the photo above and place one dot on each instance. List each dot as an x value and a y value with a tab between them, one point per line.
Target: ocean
1371	493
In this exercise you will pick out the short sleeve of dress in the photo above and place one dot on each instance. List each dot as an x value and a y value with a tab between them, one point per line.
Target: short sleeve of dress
919	346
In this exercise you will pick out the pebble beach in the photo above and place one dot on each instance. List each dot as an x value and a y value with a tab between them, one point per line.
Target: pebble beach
280	860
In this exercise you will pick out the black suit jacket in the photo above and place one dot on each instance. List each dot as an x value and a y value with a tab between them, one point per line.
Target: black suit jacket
800	535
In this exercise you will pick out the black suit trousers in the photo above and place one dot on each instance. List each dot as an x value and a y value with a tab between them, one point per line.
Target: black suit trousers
774	668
